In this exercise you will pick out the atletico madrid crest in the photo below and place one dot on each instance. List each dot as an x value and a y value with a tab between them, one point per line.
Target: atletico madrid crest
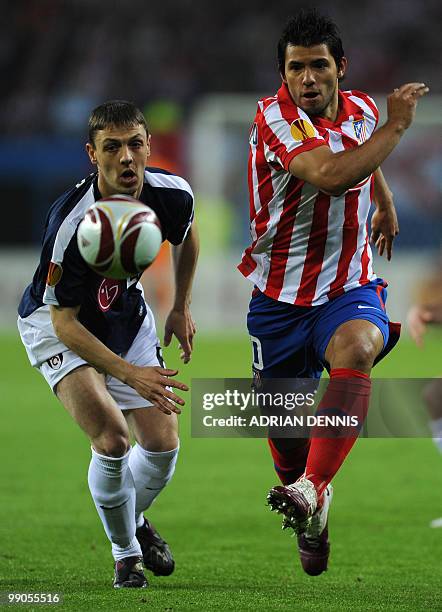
360	130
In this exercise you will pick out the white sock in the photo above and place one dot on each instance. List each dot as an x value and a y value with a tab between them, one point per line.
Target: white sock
151	472
436	429
113	491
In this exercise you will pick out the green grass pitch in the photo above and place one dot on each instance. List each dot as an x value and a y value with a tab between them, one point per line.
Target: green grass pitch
230	551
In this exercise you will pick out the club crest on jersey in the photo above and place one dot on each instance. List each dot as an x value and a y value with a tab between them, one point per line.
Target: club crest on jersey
55	272
254	135
360	130
55	362
109	291
302	130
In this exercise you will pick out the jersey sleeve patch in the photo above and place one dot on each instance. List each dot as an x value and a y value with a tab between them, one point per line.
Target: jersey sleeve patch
302	130
66	283
288	132
55	272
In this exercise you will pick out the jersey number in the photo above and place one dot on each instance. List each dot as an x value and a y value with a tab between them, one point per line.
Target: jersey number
257	353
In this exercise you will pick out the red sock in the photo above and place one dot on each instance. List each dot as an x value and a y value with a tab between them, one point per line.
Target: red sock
289	457
348	393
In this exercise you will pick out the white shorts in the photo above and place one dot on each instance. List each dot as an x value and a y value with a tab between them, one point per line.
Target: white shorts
145	351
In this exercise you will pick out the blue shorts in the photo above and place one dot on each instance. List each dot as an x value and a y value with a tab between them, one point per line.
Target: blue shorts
290	341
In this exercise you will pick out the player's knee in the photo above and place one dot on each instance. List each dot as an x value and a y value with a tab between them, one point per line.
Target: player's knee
355	345
356	353
159	435
363	355
112	443
160	442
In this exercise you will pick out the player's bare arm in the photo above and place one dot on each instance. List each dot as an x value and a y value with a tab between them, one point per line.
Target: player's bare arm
149	382
334	173
384	223
180	322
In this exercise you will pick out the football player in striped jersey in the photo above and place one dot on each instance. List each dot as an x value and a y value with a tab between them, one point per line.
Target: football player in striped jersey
313	173
94	339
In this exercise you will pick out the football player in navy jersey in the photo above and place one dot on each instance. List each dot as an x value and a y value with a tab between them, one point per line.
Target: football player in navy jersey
94	340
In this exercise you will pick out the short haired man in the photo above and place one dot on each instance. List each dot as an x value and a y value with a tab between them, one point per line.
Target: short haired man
314	169
94	339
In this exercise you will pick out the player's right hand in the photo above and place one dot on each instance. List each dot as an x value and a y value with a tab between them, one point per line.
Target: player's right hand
401	104
152	382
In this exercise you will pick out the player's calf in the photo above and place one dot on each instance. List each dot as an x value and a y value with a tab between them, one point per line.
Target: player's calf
111	443
289	457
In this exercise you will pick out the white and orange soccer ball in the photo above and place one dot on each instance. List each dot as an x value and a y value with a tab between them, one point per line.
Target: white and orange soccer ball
119	237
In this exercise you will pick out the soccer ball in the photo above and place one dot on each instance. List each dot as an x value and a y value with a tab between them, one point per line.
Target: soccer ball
119	237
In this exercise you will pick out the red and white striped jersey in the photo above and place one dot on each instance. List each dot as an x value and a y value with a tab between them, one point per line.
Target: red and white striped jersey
307	247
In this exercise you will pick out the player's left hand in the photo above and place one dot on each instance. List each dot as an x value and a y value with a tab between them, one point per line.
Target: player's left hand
384	229
417	320
181	324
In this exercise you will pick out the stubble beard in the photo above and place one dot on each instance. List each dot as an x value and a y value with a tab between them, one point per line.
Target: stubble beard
320	110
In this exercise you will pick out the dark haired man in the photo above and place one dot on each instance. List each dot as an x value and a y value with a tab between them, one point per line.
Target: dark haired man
94	339
314	169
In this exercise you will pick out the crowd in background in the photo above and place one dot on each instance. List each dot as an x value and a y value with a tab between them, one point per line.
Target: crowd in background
59	58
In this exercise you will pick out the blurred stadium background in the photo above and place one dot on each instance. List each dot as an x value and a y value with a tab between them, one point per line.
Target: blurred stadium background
198	74
197	71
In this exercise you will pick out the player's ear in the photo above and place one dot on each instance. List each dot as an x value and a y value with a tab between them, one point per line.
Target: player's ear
284	80
342	68
90	150
148	145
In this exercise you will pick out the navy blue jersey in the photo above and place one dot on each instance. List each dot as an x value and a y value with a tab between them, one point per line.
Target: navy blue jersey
112	310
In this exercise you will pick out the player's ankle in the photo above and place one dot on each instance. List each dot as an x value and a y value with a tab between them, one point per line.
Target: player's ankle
319	487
